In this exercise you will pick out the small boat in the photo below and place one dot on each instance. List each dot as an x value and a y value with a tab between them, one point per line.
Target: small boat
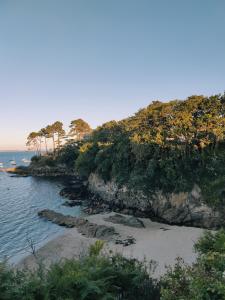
27	161
13	162
1	165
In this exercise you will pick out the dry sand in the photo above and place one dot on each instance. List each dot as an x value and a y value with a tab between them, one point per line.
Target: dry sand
159	242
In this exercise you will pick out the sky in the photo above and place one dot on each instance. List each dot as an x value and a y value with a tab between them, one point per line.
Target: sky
103	59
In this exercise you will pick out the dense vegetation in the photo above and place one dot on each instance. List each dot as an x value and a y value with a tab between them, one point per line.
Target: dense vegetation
97	277
165	146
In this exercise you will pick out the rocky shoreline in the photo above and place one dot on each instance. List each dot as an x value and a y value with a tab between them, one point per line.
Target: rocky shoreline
83	226
96	196
122	227
93	230
186	209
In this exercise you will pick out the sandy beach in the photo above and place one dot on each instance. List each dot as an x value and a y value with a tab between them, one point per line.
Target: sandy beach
159	242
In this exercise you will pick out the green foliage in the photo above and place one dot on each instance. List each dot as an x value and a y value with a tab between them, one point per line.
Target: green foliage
21	285
96	248
79	129
97	277
68	154
91	278
203	280
85	163
211	242
42	161
165	146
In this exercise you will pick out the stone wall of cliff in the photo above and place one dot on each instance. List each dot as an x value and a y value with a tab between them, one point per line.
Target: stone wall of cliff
175	208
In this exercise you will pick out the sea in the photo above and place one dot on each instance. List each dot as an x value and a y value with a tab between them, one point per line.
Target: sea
20	200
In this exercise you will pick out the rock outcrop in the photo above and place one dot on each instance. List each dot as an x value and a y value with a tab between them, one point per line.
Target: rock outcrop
127	221
175	208
83	226
73	203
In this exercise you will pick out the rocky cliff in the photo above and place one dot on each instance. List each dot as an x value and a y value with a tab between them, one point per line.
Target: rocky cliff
175	208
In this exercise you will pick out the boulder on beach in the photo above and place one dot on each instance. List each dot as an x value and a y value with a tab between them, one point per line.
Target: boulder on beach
83	226
127	221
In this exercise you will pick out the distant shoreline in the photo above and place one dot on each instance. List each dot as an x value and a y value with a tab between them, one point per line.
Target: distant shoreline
16	151
8	170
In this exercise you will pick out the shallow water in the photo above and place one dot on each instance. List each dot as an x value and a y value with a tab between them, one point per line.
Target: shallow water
20	200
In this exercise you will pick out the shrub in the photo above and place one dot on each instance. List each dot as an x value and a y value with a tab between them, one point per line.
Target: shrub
93	277
203	280
68	154
85	163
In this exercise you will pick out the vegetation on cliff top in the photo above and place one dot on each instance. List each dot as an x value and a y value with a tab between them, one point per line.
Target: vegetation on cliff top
165	146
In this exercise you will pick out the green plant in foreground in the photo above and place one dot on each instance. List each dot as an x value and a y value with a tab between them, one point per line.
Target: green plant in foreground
96	248
93	277
204	280
97	277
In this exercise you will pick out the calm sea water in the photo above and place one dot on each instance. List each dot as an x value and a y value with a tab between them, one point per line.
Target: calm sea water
20	200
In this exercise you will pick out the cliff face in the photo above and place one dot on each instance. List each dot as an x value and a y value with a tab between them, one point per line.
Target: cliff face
175	208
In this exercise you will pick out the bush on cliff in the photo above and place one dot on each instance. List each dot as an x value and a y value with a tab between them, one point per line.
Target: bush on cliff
68	154
42	161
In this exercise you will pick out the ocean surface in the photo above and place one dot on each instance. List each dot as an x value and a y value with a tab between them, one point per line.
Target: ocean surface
20	200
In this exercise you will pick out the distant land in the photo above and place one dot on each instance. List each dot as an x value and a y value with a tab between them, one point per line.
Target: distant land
16	150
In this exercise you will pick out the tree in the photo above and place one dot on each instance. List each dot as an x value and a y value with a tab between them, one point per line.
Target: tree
50	133
79	129
57	128
44	133
33	141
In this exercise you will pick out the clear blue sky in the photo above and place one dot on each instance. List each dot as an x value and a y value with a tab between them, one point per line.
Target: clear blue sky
103	59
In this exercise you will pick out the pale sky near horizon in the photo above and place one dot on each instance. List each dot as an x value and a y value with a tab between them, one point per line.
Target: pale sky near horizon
103	59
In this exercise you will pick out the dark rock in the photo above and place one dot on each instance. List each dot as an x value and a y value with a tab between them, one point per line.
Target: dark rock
83	226
134	222
73	193
126	242
182	208
72	203
104	231
126	211
127	221
18	176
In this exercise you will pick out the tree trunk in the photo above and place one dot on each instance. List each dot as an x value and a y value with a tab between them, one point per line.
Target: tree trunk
40	141
46	147
53	140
